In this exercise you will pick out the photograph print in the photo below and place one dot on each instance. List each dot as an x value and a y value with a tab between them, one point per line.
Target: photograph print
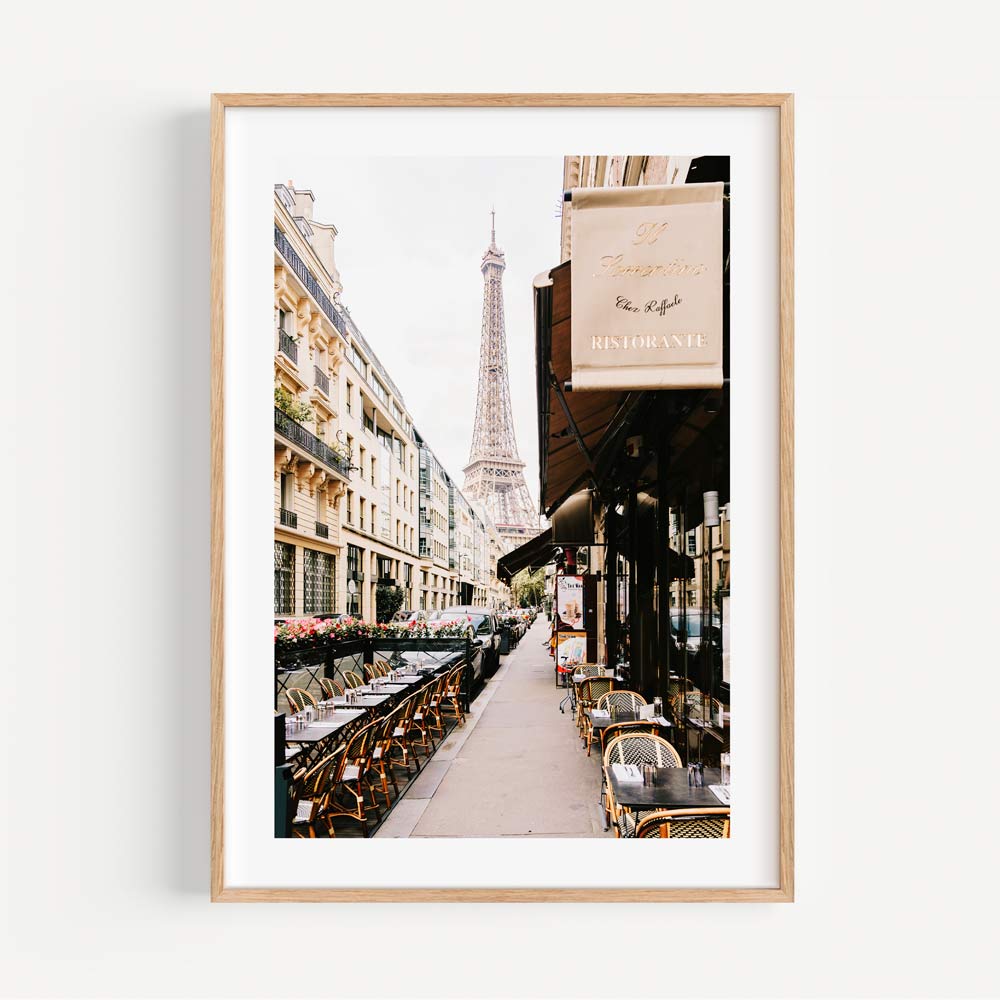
502	515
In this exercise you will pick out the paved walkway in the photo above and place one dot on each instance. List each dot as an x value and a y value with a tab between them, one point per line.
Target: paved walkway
516	769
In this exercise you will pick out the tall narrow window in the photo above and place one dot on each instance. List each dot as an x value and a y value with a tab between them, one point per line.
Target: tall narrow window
317	582
284	578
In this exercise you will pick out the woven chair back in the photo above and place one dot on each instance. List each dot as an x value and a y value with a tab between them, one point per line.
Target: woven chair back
592	688
623	701
641	748
299	698
331	689
692	824
352	680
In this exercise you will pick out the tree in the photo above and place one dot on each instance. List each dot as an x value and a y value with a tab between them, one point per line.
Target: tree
528	588
388	600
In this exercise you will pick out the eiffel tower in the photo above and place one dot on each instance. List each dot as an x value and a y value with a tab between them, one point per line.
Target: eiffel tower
495	473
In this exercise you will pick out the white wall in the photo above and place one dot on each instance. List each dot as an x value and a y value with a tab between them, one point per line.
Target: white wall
106	169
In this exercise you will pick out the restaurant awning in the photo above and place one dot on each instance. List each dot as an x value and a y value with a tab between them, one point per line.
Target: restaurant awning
534	553
573	427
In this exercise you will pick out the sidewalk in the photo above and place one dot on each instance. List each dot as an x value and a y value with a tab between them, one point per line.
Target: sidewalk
516	768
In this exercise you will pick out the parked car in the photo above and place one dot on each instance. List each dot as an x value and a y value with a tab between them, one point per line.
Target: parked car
409	615
485	629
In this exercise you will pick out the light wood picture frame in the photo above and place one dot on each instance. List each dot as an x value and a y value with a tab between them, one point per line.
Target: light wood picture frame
784	891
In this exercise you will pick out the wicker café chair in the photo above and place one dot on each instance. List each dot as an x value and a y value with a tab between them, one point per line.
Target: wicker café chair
399	746
421	738
352	680
615	702
700	824
435	718
381	763
310	792
633	748
299	699
350	781
451	700
331	689
587	694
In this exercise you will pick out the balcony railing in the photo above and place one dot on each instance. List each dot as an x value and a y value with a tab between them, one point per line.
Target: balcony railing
288	346
322	530
321	380
308	441
296	263
289	518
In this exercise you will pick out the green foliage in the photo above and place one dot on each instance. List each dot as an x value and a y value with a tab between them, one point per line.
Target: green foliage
528	588
291	407
388	600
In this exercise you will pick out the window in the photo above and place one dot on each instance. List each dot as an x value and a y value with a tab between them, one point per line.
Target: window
287	485
355	359
285	322
348	396
361	462
353	604
350	507
318	575
384	564
692	543
284	578
379	389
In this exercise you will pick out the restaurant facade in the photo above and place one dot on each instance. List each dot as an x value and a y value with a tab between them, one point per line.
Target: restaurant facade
635	482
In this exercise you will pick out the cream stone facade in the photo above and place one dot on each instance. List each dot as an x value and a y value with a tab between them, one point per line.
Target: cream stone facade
311	471
360	500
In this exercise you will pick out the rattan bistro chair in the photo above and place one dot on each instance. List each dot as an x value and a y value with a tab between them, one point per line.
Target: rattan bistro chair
421	738
587	694
299	699
614	702
633	748
700	824
347	791
309	796
353	680
451	700
331	689
435	718
381	762
399	746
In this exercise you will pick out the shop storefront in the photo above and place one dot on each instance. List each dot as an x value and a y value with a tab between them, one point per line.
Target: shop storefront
636	484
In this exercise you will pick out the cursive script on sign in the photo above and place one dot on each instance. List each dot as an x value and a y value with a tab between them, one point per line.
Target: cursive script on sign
657	306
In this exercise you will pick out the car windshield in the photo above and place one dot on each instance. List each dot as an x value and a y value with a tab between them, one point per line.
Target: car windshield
453	616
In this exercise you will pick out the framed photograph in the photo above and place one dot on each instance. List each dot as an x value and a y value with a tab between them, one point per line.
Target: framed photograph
529	361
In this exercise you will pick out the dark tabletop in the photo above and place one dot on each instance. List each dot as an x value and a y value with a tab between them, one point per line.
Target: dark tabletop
671	791
602	723
365	701
320	729
383	689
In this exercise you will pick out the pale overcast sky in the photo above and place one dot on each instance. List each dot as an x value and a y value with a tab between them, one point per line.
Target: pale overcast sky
411	235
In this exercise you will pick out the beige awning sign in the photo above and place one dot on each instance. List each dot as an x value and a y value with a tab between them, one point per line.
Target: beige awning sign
647	285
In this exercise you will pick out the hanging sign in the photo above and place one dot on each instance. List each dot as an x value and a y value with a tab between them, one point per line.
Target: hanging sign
569	602
647	287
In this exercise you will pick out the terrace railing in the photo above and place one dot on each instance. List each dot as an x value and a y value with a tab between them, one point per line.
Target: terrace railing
288	346
308	441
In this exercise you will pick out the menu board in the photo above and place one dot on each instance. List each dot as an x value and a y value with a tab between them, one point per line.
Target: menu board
569	602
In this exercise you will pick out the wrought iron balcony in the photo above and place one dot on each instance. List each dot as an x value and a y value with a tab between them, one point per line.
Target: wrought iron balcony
321	380
387	581
298	435
322	530
296	263
289	518
288	346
